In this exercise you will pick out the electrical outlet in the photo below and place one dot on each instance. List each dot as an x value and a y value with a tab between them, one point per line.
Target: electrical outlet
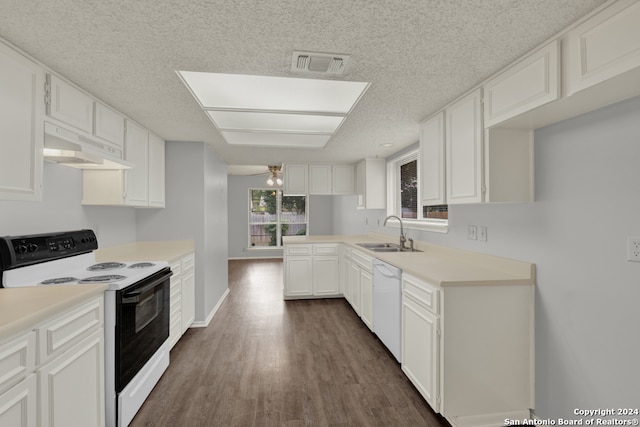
633	249
482	233
471	232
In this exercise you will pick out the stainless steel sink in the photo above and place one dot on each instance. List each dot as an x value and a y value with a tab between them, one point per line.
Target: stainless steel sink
385	247
373	246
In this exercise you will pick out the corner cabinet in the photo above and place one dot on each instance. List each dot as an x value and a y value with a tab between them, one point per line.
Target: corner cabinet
469	349
22	111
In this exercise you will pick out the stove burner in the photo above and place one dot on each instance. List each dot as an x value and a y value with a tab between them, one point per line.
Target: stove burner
102	279
59	281
142	265
106	266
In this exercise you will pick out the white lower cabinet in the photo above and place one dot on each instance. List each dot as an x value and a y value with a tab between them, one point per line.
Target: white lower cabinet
182	297
469	349
311	270
360	281
421	338
72	386
18	405
54	375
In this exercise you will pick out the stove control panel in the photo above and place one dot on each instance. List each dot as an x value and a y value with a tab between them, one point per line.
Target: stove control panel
19	251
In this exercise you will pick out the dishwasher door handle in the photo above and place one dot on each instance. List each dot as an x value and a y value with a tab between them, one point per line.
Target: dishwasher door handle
385	271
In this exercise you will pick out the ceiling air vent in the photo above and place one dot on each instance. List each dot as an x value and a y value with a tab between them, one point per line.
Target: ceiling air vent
316	62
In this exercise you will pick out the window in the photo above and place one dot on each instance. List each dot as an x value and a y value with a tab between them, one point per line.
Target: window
404	199
273	215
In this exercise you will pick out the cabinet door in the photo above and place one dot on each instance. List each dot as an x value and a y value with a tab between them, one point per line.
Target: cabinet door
70	105
463	123
109	125
421	350
325	275
21	121
432	148
366	298
344	277
297	280
342	180
360	184
603	47
319	179
72	386
188	292
156	171
18	405
354	285
530	83
175	301
295	179
137	178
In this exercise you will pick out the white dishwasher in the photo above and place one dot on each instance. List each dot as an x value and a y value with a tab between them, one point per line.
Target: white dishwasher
387	305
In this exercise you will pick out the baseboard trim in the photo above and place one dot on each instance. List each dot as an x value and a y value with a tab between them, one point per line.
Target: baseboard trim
491	420
204	324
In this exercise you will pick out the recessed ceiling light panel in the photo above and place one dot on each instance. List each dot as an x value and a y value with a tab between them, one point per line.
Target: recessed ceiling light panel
275	111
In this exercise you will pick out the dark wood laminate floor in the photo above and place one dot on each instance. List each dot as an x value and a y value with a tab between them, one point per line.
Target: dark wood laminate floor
267	362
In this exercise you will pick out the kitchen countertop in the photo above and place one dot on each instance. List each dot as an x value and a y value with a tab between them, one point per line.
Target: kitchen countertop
170	251
23	308
439	265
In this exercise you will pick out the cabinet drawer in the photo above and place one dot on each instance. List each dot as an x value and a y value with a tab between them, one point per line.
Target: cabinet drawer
68	329
363	260
298	249
17	359
421	292
331	249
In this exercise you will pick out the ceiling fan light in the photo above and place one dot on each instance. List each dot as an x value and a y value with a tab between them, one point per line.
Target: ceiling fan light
270	181
279	181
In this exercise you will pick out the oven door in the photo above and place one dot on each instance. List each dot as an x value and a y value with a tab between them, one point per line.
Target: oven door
142	324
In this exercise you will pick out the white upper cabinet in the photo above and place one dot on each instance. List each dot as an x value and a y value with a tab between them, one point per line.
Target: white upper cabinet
296	179
464	132
69	105
320	179
605	46
526	85
137	152
432	147
343	179
109	125
371	186
21	120
156	171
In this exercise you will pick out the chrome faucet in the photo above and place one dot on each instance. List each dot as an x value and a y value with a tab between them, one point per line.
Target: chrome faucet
403	238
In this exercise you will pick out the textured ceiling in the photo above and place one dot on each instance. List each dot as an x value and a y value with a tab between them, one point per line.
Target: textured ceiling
418	54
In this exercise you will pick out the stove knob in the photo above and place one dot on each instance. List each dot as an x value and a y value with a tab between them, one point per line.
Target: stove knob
21	249
33	247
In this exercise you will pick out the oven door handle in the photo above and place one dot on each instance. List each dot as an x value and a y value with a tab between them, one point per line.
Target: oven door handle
133	297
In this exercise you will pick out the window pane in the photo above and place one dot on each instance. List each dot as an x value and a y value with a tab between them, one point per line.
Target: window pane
293	209
294	229
263	234
409	189
263	206
436	212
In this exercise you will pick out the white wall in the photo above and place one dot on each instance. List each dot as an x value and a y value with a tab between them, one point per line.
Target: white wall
587	294
320	216
196	209
61	210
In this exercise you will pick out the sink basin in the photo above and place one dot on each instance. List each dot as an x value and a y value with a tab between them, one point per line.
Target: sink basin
373	246
385	247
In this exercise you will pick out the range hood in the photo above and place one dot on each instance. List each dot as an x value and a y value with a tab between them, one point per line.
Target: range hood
72	149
